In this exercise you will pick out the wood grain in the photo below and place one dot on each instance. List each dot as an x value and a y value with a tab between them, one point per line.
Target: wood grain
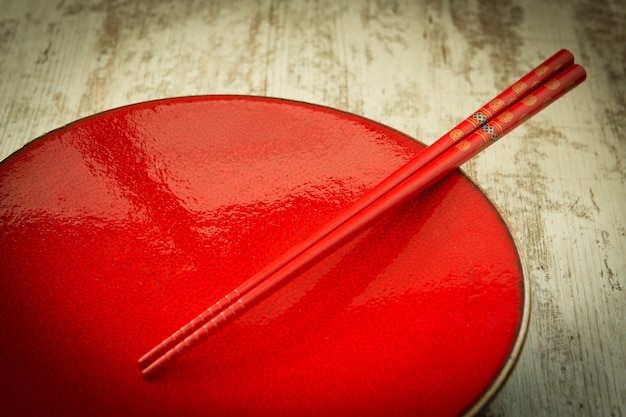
418	66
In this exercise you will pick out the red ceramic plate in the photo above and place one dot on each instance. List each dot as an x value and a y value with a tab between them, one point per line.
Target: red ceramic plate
119	228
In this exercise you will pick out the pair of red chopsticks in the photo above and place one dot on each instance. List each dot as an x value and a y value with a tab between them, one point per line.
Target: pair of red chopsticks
509	109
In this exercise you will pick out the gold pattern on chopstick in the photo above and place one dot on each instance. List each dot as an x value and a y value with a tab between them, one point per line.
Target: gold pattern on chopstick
506	117
541	70
491	132
456	134
529	100
496	104
498	129
488	133
518	87
553	85
479	118
463	145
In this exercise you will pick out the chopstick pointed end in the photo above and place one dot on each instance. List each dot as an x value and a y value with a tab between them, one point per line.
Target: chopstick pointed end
153	369
148	358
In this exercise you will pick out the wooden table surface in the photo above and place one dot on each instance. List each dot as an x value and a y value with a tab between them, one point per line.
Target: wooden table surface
418	66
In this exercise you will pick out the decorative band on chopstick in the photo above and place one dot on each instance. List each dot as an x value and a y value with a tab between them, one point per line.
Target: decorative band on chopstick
522	111
513	93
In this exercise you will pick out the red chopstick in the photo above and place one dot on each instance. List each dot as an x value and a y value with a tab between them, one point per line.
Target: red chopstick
512	94
348	226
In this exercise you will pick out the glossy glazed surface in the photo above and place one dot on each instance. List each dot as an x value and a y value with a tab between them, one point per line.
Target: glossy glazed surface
119	228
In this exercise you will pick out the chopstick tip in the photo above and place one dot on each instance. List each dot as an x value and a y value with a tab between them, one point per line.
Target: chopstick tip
150	371
152	355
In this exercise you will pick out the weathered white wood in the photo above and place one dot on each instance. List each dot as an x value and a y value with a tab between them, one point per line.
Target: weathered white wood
418	66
